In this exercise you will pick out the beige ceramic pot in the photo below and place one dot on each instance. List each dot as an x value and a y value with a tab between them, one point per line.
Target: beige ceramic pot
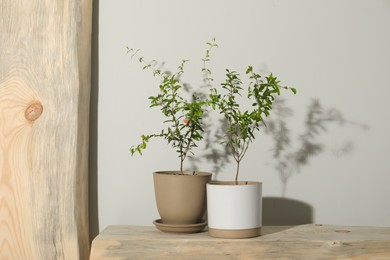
181	198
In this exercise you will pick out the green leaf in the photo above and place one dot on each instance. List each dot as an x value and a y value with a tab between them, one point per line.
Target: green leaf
294	90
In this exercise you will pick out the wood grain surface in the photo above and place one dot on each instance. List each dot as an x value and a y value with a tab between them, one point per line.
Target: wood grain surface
279	242
44	109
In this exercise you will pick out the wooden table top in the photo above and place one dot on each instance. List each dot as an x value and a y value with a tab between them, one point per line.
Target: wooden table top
312	241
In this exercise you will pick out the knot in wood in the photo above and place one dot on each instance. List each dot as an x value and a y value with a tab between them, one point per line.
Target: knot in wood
33	111
334	243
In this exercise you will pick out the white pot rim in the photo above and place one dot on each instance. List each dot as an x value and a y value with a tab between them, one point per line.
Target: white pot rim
233	183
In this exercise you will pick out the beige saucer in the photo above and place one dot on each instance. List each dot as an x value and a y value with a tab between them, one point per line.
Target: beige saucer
190	228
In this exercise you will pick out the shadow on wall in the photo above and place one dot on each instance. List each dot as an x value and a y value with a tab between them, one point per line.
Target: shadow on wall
291	153
93	128
282	211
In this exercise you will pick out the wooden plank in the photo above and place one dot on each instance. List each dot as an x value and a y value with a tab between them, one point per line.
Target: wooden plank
299	242
44	108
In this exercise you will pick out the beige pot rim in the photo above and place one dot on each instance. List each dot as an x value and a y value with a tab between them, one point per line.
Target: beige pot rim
233	183
186	173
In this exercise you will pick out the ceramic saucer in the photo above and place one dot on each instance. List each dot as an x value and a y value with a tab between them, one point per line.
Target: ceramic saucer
190	228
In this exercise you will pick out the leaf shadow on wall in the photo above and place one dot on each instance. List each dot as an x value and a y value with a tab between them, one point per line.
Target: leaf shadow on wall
288	160
291	153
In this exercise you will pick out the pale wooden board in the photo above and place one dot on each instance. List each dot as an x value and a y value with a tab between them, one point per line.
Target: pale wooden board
44	109
299	242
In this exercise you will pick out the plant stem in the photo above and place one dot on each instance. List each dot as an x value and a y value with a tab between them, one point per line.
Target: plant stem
184	150
181	165
238	169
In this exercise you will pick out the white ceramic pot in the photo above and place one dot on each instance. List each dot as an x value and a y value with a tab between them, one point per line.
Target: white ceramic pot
234	210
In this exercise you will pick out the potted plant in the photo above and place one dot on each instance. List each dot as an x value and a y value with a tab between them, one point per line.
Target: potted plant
180	194
234	208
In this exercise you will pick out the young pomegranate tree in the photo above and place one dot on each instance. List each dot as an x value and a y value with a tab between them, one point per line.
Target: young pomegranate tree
243	124
183	123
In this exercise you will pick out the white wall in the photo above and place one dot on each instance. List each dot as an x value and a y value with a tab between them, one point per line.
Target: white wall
334	51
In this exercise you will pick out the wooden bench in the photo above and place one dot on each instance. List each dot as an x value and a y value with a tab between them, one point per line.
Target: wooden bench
312	241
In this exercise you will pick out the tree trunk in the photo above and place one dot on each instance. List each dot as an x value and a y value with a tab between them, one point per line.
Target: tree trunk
44	111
